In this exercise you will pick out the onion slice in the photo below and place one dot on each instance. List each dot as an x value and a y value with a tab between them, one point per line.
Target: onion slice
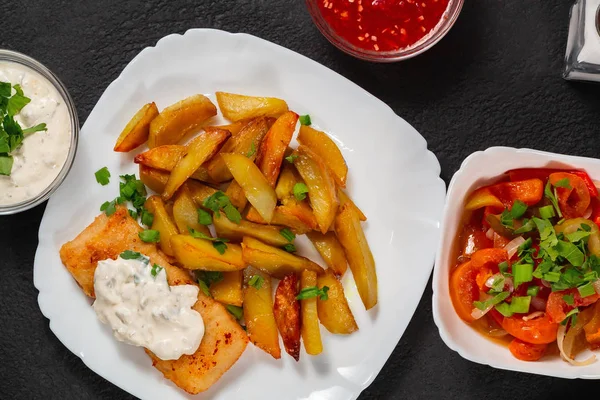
533	315
588	213
560	336
596	285
512	246
490	234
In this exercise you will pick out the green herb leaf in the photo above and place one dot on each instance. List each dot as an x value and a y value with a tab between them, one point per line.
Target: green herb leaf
204	217
305	119
551	195
528	226
5	90
506	219
103	176
291	158
156	270
133	214
290	248
209	277
6	164
522	273
256	281
504	309
563	183
570	252
570	314
518	209
237	312
568	298
219	201
577	236
520	305
300	190
287	234
232	213
204	287
547	212
503	267
150	236
220	246
133	255
35	128
551	276
252	150
482	305
17	101
533	291
218	243
109	207
147	217
586	290
313	291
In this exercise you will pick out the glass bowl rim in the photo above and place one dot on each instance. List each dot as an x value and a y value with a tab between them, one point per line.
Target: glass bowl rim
27	61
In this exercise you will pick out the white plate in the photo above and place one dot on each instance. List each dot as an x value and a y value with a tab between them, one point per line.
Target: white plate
479	169
393	178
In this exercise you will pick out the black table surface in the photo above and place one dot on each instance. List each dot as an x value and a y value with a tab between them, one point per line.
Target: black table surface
495	79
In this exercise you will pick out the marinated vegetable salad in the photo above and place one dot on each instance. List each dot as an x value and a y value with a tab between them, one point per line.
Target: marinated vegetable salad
528	263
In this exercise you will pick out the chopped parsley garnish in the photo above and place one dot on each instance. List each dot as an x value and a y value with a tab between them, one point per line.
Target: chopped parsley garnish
568	299
551	195
150	236
237	312
520	305
522	273
256	281
204	217
103	176
291	158
547	212
204	287
207	278
482	305
586	290
313	291
563	183
130	255
305	120
156	270
517	210
571	315
533	291
287	234
109	207
11	133
300	190
147	217
133	190
218	243
220	201
528	226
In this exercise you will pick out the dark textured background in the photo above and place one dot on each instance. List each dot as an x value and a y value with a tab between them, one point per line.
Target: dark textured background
494	80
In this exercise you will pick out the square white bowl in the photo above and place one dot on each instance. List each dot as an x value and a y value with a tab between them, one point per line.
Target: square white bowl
479	169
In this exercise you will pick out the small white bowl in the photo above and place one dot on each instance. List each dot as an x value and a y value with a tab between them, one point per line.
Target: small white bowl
479	169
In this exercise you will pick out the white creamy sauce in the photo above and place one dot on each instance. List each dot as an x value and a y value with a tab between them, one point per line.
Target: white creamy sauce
42	155
143	310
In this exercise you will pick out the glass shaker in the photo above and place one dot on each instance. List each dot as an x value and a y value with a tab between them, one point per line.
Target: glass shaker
582	59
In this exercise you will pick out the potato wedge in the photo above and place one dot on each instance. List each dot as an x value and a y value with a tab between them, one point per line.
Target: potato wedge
267	233
162	223
229	290
311	332
185	213
287	314
258	313
153	178
137	129
234	127
236	107
344	198
166	158
330	250
275	262
179	119
287	180
280	218
360	258
200	192
236	195
246	142
200	149
200	254
256	187
322	192
299	210
323	146
334	313
274	146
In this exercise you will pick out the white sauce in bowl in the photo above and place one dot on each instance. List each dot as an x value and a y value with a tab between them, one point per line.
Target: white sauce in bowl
43	154
143	310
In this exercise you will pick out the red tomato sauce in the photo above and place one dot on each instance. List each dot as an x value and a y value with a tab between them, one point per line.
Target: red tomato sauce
383	25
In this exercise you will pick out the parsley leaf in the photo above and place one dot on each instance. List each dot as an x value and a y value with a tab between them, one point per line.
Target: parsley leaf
150	236
5	89
570	252
17	101
219	201
568	298
518	209
313	291
36	128
207	278
300	190
551	195
134	255
156	270
256	281
6	164
252	150
500	297
204	288
577	236
291	158
204	217
218	243
103	176
563	183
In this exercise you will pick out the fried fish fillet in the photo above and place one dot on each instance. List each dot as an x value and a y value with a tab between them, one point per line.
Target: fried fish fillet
224	339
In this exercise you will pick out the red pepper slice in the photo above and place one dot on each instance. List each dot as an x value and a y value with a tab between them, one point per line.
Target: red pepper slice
574	200
543	173
595	211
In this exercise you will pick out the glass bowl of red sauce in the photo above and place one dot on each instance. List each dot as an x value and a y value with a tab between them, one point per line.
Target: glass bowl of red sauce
384	30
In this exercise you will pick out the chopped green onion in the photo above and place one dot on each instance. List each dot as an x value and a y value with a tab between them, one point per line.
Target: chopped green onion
504	309
156	270
503	267
256	281
237	312
520	305
587	290
518	209
528	226
522	273
552	276
547	212
313	291
300	190
533	291
569	299
287	234
482	305
305	119
103	176
290	248
150	236
291	158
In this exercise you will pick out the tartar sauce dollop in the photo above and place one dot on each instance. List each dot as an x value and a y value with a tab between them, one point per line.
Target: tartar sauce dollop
135	299
43	154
